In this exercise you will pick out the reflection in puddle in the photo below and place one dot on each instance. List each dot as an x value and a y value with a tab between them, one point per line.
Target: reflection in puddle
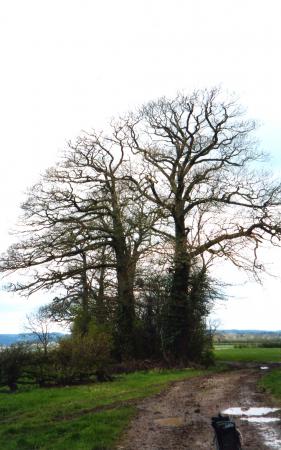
261	419
249	411
271	437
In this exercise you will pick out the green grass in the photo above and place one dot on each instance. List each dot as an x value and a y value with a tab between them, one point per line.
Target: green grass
272	383
248	354
88	417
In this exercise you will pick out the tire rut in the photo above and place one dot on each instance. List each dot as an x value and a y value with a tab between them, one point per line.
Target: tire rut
180	418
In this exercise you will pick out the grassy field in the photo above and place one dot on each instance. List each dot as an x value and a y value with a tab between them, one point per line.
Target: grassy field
256	354
88	417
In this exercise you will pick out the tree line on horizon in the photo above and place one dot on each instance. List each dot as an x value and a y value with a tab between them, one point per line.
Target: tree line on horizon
122	232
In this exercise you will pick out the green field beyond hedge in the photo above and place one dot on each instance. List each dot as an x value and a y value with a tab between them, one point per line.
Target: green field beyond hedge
89	417
255	354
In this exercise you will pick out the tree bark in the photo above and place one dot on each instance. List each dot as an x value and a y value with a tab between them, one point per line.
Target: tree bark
125	313
177	332
85	319
100	314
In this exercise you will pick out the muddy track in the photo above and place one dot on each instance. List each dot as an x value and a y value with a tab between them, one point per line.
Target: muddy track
179	418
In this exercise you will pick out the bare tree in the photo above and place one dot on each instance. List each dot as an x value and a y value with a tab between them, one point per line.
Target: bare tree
201	166
178	181
82	209
96	167
39	325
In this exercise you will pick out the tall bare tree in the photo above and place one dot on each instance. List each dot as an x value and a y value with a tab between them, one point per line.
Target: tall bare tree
184	170
201	166
84	208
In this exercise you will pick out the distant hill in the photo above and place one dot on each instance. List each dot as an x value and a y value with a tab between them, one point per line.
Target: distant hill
234	331
9	339
241	336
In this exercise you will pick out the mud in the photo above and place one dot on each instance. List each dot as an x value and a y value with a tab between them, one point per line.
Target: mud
180	418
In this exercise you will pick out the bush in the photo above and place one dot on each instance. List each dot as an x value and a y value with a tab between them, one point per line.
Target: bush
80	357
76	359
14	361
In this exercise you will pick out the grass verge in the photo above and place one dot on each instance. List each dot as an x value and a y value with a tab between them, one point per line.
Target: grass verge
272	383
88	417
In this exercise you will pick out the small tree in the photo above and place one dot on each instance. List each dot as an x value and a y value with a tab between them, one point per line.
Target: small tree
39	325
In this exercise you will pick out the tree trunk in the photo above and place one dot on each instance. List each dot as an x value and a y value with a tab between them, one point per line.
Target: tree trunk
176	333
125	314
100	307
85	318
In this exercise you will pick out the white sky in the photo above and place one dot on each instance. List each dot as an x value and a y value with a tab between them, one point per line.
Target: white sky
70	65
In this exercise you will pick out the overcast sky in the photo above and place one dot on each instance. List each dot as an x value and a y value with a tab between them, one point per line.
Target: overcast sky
71	65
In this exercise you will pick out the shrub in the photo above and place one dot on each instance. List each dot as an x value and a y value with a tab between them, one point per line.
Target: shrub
79	357
14	361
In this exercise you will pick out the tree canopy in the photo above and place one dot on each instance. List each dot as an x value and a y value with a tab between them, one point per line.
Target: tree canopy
166	190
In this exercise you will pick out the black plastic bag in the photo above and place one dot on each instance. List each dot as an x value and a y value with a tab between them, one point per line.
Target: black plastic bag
227	437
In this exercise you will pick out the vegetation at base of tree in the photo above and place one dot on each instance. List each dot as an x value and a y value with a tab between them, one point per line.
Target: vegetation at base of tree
90	417
126	227
247	354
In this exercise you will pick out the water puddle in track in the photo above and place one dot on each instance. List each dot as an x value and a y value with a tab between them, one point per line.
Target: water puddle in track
271	437
259	418
249	411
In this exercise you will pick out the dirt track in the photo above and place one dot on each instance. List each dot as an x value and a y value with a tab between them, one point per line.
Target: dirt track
187	408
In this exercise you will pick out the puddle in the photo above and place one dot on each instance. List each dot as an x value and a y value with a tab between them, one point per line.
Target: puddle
170	422
261	419
249	411
271	437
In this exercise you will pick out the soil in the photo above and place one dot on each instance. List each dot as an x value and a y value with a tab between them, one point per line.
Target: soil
180	418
